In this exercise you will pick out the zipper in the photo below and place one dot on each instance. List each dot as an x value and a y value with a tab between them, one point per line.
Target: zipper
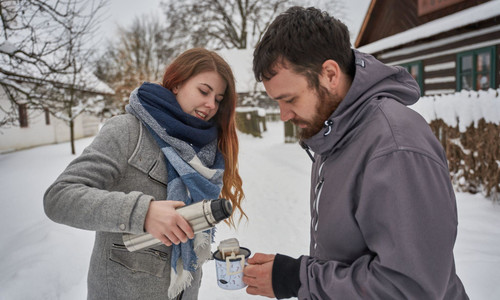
318	190
319	185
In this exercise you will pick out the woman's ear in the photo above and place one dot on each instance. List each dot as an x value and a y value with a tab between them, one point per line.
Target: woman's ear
175	90
330	75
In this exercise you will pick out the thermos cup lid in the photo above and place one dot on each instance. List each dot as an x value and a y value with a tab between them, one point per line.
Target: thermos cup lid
221	209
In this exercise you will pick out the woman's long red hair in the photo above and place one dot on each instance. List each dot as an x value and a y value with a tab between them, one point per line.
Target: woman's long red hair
191	63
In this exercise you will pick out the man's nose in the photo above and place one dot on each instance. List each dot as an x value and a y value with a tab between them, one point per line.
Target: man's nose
285	114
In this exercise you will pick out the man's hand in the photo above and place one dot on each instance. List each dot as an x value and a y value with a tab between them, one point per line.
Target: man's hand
166	224
258	275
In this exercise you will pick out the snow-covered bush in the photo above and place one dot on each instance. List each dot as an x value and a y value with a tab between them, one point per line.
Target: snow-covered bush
467	124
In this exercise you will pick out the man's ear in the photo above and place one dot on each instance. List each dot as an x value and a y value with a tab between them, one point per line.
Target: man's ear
330	75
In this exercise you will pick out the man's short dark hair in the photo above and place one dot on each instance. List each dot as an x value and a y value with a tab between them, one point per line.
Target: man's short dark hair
306	38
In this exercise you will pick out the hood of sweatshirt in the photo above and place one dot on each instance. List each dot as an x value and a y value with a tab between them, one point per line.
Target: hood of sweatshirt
372	80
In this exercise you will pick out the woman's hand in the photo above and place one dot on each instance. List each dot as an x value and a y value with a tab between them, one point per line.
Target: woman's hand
166	224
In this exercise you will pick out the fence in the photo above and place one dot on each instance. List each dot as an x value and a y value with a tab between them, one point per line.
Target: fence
251	120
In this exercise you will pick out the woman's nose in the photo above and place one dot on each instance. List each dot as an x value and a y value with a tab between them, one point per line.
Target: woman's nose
210	103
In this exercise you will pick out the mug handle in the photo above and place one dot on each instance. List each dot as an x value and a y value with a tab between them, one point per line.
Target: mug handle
228	264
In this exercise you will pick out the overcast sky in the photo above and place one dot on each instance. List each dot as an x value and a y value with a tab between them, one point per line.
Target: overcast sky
122	12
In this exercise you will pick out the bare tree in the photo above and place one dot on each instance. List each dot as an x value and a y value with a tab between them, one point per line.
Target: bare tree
79	91
44	46
227	24
140	54
218	24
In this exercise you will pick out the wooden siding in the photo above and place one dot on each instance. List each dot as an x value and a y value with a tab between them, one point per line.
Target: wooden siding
451	45
438	79
429	6
389	17
449	10
460	43
433	74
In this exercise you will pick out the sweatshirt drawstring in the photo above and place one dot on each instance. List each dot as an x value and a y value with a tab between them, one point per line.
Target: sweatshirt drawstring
305	147
328	123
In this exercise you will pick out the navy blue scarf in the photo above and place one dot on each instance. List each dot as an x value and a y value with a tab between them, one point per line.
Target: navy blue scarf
162	105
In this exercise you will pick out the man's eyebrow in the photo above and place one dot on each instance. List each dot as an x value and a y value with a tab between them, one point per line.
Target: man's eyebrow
281	97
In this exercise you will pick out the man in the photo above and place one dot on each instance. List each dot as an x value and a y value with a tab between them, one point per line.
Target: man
383	210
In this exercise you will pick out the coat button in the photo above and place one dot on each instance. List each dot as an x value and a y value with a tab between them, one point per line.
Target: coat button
122	226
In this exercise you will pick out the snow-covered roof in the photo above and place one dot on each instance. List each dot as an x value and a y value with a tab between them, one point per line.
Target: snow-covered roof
86	80
462	18
94	84
241	62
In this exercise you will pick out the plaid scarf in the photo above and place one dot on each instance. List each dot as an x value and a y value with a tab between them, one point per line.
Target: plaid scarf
194	167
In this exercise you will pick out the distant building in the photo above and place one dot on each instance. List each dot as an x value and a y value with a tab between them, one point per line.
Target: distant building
38	127
250	92
447	45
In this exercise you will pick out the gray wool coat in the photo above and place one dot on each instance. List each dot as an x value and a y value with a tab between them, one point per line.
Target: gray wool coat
108	190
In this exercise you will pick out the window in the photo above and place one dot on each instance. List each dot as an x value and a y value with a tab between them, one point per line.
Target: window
475	69
415	69
47	116
23	115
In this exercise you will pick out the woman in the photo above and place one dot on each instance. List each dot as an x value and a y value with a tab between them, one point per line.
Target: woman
177	142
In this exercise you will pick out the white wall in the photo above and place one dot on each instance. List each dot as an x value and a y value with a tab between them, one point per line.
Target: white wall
38	133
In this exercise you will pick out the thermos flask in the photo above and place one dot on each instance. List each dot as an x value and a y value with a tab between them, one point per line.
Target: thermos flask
200	215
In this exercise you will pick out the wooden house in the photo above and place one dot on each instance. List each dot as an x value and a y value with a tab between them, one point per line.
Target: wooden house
447	45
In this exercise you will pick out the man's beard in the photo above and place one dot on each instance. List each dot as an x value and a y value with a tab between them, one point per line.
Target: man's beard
324	108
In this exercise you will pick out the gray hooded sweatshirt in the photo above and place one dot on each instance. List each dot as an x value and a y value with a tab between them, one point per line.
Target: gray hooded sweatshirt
383	210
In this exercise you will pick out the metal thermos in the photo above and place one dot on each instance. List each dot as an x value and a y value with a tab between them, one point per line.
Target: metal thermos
200	215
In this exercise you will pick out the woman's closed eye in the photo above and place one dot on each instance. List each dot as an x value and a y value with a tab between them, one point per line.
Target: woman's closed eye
218	98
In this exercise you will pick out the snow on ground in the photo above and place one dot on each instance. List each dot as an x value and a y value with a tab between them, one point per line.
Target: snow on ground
44	260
